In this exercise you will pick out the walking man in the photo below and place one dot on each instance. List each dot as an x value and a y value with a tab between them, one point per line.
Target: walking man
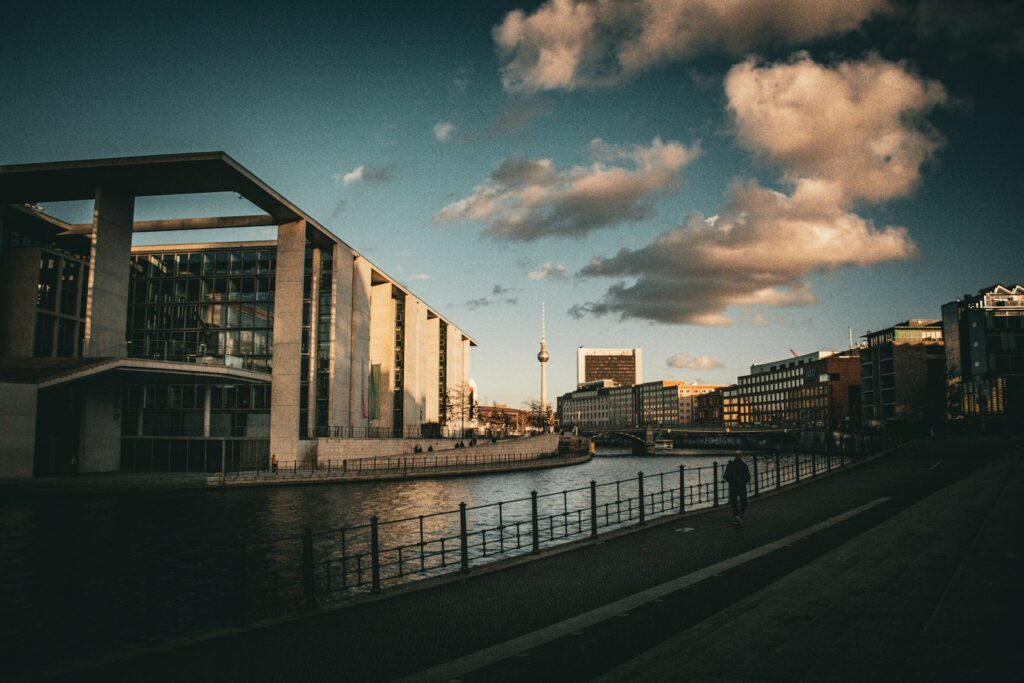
737	475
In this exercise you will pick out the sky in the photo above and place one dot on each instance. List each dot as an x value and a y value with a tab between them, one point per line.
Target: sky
717	182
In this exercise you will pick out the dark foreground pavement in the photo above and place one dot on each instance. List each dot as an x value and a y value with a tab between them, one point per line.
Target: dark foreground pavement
858	574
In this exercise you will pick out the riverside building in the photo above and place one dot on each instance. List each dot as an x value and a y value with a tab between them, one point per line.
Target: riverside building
603	404
199	357
984	345
902	375
815	390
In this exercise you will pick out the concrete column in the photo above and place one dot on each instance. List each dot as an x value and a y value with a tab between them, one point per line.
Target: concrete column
314	324
342	376
430	362
100	436
19	278
284	413
106	308
359	352
415	372
18	425
382	347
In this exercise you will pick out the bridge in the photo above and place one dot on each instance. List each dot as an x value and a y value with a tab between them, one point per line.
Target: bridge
643	439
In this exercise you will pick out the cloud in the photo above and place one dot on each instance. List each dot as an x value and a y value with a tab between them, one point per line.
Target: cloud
420	276
443	130
524	199
568	44
498	296
759	250
339	208
685	362
859	124
548	271
366	173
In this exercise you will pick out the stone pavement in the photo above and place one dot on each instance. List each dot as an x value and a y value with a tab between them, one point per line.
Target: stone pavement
934	593
867	572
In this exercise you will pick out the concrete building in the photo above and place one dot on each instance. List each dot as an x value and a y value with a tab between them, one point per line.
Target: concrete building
199	357
984	345
816	390
707	410
902	375
604	404
688	397
625	367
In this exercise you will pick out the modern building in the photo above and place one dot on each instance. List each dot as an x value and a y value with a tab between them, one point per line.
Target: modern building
707	409
603	404
623	366
984	345
688	397
902	375
198	357
815	390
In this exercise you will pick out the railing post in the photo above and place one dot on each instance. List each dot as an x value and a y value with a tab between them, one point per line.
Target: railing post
715	472
308	583
778	471
757	478
796	465
464	538
240	605
640	485
374	556
593	508
814	464
536	524
682	489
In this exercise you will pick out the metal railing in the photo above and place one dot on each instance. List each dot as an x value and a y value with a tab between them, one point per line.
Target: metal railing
162	595
387	464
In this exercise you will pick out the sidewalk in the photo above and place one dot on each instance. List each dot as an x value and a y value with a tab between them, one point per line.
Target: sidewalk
935	593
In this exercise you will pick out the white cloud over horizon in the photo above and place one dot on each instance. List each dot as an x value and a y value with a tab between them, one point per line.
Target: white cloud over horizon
548	271
366	173
682	361
525	199
570	44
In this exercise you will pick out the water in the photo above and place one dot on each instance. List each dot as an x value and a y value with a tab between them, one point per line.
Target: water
90	570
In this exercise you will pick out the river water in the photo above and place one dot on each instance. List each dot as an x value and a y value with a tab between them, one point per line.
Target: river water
79	554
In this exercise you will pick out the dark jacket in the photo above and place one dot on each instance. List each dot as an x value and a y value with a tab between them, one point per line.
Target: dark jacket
736	473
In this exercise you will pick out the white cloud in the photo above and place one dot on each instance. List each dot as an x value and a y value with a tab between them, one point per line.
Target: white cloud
366	173
420	276
567	44
684	362
759	251
548	271
443	130
525	199
858	124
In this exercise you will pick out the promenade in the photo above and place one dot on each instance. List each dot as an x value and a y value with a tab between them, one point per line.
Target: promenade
907	566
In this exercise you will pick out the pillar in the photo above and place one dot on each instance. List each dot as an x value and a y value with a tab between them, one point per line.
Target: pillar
284	412
106	308
340	403
18	424
382	348
19	279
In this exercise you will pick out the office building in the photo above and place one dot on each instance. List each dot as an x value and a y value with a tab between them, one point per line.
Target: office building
199	357
625	367
815	390
902	375
984	346
603	404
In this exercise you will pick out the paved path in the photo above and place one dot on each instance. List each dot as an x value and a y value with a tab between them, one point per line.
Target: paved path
523	620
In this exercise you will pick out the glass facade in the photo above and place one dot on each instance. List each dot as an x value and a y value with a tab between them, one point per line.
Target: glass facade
398	397
60	305
442	372
213	306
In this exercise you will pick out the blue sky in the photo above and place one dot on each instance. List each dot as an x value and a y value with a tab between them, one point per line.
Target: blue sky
807	171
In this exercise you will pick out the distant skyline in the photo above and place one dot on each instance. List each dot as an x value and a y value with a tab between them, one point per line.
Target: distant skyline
715	183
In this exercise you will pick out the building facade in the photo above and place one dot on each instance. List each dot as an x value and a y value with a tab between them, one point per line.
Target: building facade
603	404
816	390
902	375
984	348
625	367
199	357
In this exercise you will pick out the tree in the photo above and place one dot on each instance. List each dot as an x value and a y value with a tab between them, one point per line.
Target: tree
457	410
538	418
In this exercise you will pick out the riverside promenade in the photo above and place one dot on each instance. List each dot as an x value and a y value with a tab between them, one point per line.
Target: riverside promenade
905	566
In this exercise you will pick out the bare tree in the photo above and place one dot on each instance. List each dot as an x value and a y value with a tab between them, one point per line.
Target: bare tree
541	419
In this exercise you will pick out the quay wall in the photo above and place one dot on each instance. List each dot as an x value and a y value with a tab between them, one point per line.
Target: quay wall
341	449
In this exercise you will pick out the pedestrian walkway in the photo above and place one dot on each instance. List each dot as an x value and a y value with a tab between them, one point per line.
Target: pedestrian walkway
935	593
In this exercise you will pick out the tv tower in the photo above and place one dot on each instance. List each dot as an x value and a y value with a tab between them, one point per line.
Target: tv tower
543	357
